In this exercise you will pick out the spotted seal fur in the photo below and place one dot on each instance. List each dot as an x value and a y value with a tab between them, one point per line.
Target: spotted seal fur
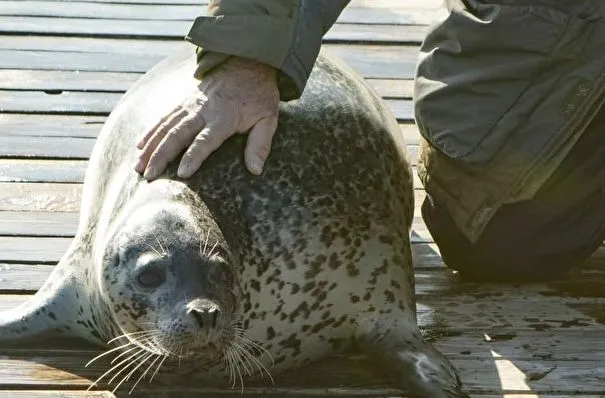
308	258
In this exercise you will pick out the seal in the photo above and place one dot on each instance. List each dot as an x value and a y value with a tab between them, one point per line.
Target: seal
244	273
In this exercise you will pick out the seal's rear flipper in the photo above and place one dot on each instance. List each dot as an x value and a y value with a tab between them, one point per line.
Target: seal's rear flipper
399	351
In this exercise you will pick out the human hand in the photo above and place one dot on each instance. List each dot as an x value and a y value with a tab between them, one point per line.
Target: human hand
240	95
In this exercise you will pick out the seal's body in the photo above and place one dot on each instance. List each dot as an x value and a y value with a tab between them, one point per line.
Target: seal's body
302	261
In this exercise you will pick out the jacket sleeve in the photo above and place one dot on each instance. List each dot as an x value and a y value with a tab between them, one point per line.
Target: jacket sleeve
285	34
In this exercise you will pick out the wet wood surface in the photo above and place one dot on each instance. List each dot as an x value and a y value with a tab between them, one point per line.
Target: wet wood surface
63	66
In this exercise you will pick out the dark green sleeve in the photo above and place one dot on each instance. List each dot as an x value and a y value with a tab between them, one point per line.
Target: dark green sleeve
285	34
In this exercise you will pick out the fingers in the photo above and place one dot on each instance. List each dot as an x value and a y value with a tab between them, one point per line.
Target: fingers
206	142
153	138
171	143
161	125
258	146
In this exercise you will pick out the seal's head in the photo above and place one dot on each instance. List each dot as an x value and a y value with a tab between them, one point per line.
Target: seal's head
169	282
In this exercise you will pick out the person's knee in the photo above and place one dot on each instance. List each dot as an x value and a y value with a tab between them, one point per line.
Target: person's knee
503	253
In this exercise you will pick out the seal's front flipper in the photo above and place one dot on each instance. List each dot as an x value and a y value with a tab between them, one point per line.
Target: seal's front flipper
49	312
399	351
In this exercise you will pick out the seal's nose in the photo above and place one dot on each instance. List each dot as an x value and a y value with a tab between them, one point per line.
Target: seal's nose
204	312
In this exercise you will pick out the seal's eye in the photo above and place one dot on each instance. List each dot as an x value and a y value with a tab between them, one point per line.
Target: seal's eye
151	277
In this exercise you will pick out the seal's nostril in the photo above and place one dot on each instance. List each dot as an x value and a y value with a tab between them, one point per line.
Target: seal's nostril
214	317
206	318
198	318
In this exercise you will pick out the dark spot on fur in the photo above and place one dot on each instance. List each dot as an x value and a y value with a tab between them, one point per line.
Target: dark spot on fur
308	286
390	296
321	325
303	308
388	239
292	342
352	270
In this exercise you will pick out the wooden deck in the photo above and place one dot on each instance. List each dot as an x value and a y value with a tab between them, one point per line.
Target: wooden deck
64	64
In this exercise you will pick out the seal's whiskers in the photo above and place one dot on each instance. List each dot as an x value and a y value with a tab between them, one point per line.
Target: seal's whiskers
158	368
211	253
131	360
229	367
157	357
118	365
261	367
236	363
250	343
108	352
241	353
162	248
203	249
126	335
142	360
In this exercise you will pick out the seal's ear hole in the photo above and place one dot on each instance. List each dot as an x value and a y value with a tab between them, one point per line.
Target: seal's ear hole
151	277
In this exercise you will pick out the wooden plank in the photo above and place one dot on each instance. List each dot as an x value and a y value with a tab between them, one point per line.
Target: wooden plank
77	9
38	223
45	250
393	88
96	103
178	29
350	371
37	170
10	59
46	80
20	278
14	79
52	147
88	44
70	102
28	125
371	61
40	197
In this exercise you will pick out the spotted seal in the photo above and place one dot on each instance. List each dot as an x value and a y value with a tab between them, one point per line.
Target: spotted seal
244	272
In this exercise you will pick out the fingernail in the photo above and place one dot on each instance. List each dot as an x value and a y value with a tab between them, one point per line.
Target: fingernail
183	171
150	173
139	167
256	166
